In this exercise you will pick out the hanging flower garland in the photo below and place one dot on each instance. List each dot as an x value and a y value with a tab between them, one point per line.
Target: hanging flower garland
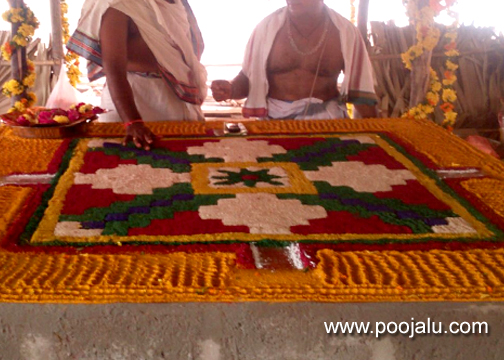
352	12
28	23
71	58
428	36
449	95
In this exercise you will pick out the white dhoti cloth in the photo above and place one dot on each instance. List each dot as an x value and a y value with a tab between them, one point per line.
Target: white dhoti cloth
309	108
153	99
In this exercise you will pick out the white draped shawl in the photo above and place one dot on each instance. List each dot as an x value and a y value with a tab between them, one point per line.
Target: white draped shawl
358	83
165	28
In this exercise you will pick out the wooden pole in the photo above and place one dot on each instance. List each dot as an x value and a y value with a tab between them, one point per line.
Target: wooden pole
420	76
362	19
35	62
57	35
19	67
420	72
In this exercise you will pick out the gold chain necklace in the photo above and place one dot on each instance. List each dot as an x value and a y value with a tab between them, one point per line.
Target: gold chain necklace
316	48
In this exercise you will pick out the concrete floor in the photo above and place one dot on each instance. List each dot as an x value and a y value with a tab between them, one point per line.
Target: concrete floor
240	331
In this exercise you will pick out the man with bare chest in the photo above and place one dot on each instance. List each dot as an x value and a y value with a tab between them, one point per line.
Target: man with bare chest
292	64
149	51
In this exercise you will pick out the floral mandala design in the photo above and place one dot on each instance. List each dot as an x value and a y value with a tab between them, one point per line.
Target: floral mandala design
249	178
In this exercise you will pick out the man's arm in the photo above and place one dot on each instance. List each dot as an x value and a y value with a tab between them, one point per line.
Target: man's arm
237	89
114	45
240	86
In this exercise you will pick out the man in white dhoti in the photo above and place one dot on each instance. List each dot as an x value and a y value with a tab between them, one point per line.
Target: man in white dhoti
292	63
149	51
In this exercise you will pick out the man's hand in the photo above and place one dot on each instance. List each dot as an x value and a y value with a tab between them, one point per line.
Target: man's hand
140	134
221	90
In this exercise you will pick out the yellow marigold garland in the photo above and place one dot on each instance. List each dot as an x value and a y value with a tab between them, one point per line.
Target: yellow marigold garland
352	12
449	95
428	36
71	58
28	25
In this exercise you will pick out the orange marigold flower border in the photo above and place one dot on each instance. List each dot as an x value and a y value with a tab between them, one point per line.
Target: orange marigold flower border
434	275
